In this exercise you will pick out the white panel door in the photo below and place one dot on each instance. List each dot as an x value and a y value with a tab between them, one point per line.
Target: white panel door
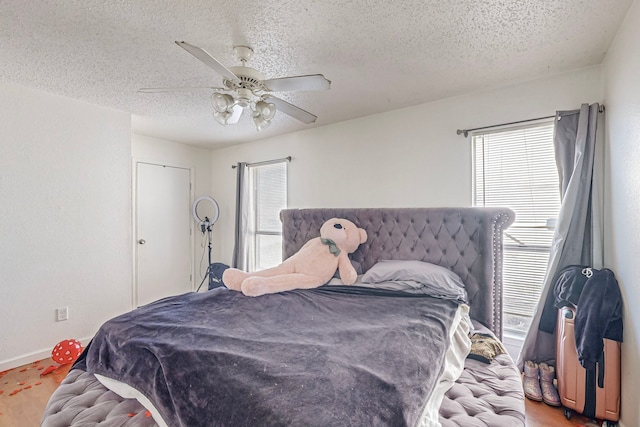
163	232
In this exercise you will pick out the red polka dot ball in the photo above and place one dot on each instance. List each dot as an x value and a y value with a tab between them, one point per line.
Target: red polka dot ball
66	351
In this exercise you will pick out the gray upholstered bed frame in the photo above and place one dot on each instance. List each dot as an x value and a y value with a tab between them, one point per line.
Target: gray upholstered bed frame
465	240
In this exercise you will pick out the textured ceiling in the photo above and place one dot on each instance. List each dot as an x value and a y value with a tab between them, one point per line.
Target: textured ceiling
380	55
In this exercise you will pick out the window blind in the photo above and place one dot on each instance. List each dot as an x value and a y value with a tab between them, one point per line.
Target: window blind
516	168
270	197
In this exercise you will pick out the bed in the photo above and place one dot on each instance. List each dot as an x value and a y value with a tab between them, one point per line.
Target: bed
335	355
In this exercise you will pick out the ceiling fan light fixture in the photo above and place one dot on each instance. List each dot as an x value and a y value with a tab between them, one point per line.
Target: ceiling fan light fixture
229	117
266	109
243	97
221	102
261	123
221	118
263	112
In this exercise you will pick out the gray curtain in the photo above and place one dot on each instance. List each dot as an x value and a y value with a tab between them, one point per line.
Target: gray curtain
241	248
578	227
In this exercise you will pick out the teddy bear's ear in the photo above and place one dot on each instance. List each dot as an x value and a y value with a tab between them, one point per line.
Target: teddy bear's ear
363	235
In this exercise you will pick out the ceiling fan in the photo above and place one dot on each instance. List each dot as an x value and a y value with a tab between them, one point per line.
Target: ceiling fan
246	88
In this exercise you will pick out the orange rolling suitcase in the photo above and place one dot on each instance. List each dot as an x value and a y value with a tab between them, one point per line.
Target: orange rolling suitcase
589	336
595	394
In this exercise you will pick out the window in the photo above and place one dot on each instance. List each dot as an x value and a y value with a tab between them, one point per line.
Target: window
268	189
516	168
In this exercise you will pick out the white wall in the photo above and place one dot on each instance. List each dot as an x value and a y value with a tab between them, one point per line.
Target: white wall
622	232
65	239
405	158
159	151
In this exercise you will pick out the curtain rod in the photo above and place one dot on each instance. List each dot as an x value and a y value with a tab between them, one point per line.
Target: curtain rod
266	162
465	132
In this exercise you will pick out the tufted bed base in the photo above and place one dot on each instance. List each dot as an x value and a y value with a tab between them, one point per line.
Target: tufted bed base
483	396
466	240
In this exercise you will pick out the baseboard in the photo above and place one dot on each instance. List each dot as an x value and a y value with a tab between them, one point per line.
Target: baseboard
28	358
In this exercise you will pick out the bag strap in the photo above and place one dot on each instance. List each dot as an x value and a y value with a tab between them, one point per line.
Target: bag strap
590	393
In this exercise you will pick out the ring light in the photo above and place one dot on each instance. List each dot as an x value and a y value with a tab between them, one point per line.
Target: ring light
205	218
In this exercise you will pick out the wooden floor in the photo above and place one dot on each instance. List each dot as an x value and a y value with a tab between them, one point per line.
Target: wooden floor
24	394
540	414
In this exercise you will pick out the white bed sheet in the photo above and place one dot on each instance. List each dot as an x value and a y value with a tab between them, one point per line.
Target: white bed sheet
453	366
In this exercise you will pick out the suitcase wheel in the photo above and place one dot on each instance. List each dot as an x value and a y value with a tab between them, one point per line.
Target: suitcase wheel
568	413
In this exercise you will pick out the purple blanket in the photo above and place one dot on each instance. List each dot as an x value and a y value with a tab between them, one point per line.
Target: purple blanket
332	356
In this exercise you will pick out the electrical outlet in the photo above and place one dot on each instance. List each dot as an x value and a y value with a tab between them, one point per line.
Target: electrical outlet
62	314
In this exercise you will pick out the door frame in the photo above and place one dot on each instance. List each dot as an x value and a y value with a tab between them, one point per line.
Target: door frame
134	219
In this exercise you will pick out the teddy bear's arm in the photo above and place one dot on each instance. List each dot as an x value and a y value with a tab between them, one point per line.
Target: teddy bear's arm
348	274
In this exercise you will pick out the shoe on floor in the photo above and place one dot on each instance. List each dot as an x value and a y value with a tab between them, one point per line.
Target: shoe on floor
531	381
549	392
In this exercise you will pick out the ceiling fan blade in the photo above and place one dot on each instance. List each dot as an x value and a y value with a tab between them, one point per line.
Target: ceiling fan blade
209	60
309	82
290	109
174	89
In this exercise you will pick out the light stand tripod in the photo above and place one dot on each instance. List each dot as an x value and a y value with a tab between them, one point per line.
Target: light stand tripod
213	281
209	205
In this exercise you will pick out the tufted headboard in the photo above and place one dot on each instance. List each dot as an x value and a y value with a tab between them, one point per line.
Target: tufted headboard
466	240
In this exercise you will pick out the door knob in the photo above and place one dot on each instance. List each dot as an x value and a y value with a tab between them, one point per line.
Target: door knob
142	241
